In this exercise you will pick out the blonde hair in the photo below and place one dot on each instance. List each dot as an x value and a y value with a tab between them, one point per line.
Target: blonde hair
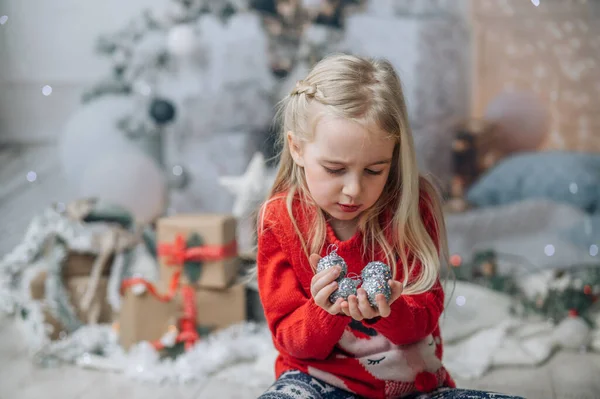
370	92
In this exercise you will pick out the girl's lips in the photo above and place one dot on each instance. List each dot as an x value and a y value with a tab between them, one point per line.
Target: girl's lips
349	208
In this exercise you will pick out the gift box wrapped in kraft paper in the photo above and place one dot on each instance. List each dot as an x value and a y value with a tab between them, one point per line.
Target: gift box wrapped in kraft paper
145	316
80	264
202	246
218	309
180	315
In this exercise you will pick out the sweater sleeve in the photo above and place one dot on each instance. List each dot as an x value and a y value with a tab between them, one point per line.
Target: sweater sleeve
299	326
413	317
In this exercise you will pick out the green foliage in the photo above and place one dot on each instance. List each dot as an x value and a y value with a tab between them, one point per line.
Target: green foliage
575	290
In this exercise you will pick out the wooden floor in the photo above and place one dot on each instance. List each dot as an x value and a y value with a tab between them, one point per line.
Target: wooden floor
569	375
20	379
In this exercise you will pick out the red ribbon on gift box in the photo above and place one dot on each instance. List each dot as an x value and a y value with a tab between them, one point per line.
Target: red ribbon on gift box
178	253
187	323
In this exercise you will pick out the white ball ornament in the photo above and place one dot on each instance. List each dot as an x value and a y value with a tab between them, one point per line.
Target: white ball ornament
92	132
130	180
182	40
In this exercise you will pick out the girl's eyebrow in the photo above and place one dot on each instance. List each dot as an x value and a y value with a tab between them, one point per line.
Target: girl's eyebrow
335	162
382	162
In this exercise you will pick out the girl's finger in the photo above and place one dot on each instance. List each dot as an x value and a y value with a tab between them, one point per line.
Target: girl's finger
354	311
336	308
324	278
314	260
383	305
322	296
364	306
345	306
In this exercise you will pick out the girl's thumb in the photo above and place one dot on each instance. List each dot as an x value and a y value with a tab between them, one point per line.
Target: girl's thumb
314	259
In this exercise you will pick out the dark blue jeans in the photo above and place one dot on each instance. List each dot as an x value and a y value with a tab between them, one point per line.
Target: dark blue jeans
297	385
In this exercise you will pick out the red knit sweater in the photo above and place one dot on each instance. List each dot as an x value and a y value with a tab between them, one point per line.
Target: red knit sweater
379	358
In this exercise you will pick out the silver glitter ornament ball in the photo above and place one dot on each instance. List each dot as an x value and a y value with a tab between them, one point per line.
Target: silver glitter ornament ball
346	287
331	260
376	270
375	286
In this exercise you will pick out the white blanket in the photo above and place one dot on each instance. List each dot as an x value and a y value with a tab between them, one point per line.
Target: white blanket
529	237
481	334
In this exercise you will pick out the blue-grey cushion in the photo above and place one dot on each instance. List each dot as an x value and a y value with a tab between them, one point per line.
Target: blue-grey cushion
585	234
565	177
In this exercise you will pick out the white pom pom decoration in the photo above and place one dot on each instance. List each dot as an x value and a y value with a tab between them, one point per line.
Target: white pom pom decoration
572	333
138	289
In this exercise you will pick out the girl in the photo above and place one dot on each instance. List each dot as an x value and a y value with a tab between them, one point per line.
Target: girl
348	181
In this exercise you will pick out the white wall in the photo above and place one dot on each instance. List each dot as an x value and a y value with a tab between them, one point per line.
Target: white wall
52	43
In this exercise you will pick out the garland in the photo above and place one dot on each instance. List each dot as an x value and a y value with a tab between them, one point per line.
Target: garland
49	237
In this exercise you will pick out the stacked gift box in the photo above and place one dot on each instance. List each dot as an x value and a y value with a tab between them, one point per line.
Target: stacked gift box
86	296
198	289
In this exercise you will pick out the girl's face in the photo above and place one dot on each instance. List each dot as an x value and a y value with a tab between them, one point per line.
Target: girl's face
346	165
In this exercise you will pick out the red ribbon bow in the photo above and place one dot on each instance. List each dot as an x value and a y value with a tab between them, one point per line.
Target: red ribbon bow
178	253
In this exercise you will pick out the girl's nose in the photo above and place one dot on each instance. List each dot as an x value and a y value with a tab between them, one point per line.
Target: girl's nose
352	187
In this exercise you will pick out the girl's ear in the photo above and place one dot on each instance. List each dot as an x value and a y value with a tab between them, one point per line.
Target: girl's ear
295	149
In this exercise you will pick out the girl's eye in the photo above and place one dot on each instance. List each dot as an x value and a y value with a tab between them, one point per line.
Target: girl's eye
340	171
333	171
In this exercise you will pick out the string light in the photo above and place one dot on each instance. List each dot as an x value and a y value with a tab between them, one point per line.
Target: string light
573	188
455	260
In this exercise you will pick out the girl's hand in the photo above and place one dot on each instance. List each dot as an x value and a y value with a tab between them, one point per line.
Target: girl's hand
360	308
323	284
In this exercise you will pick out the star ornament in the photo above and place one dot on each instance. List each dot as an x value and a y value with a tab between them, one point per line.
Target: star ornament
250	188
